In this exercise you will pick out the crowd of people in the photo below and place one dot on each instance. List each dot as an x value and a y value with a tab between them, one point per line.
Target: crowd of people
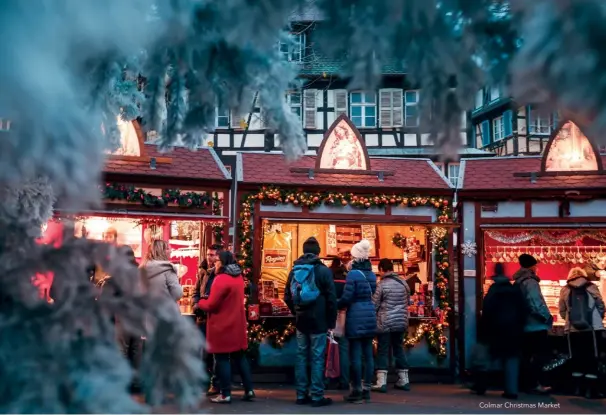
349	304
514	326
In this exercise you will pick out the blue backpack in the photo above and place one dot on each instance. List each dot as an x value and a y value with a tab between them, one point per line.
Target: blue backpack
303	285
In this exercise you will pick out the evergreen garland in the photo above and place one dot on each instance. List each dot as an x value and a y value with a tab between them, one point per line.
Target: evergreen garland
433	331
129	193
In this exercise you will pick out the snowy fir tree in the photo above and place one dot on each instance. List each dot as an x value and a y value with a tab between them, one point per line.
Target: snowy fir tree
69	70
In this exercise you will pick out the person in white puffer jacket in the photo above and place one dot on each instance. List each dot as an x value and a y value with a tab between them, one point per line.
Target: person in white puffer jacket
391	301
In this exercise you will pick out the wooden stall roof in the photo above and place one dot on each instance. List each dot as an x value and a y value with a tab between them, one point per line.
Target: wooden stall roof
273	168
180	162
497	174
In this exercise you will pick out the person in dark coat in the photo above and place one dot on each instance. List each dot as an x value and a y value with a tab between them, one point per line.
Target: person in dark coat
501	330
361	322
339	273
206	276
536	328
313	321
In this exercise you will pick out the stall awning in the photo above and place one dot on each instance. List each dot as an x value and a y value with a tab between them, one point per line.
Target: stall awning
398	173
180	162
499	173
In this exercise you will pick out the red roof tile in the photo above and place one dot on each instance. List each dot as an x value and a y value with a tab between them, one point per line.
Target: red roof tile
498	173
196	164
273	168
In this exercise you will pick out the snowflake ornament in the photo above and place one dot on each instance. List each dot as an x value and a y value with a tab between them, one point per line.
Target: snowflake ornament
469	248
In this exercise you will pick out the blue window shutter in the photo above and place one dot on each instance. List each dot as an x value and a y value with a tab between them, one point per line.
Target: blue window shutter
556	120
507	123
485	133
528	119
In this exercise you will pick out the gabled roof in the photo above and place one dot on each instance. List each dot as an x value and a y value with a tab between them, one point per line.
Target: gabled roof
273	168
180	162
497	173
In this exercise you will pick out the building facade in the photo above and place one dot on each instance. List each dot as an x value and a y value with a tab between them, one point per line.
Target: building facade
387	118
502	126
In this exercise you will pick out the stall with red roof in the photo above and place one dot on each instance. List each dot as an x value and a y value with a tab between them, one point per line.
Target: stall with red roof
340	196
552	207
181	196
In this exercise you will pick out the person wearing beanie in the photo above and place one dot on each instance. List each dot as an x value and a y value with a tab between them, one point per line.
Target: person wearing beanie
582	306
536	327
310	296
361	320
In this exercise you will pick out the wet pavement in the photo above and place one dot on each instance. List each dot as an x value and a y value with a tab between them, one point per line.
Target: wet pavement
424	398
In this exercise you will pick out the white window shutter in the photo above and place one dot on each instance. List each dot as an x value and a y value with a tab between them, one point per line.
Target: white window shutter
340	102
260	116
236	119
385	108
397	99
310	108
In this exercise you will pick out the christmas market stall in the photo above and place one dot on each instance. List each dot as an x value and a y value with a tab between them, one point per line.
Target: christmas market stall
552	207
402	206
181	197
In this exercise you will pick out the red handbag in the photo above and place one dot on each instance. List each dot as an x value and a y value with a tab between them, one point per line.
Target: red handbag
333	367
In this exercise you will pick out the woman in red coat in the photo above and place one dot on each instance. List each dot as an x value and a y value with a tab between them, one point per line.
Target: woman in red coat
226	331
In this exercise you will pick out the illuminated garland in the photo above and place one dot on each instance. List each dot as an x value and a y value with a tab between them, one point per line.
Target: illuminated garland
314	199
546	236
129	193
218	229
442	275
276	338
432	331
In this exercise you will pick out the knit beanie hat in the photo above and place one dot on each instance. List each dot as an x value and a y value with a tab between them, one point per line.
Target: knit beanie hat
576	273
311	246
360	250
527	261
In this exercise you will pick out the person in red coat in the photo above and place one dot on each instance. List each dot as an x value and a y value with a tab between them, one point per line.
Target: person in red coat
226	330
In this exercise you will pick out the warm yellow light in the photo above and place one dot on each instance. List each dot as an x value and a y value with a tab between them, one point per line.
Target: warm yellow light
343	150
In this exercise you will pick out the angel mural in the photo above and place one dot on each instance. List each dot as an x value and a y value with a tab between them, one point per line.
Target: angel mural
344	151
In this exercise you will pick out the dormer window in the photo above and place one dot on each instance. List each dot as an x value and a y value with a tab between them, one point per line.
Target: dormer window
293	50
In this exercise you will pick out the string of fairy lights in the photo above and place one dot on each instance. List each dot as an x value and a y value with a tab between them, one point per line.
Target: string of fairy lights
433	331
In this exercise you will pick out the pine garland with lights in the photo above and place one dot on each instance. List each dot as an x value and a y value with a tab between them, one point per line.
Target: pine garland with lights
129	193
433	332
277	338
218	228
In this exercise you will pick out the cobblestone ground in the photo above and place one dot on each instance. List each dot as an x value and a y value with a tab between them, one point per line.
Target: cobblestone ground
426	399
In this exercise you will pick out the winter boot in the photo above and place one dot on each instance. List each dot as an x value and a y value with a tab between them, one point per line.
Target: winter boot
592	390
403	383
480	381
366	395
577	383
354	397
381	385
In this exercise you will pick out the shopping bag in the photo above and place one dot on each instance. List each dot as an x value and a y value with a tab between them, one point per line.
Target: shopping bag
339	330
333	369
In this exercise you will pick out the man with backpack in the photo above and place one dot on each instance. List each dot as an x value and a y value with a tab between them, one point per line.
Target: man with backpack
310	296
536	327
582	306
